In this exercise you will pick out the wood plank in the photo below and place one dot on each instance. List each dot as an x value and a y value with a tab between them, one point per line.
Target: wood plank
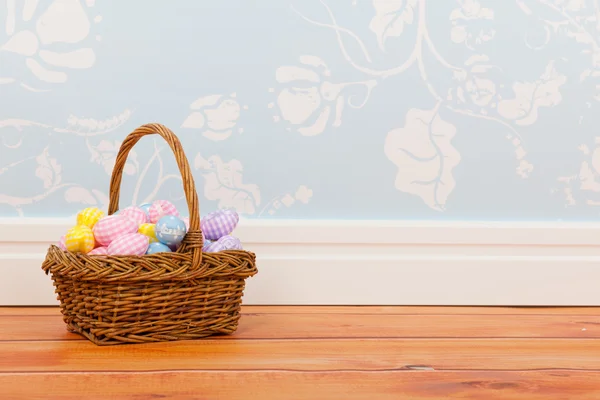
233	385
402	310
303	355
303	326
423	310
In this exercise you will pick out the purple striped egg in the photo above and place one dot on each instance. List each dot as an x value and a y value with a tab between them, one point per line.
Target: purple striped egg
224	243
219	223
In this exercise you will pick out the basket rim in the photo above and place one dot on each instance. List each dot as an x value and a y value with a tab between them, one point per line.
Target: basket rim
148	267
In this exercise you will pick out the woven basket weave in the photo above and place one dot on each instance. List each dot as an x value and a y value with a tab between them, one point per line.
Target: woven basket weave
181	295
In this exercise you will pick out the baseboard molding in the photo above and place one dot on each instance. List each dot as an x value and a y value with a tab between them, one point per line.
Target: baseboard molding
370	262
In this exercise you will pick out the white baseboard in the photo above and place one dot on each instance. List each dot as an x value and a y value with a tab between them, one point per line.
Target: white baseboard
369	262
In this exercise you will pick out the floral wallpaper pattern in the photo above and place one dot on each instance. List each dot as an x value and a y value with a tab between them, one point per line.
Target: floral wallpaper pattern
354	109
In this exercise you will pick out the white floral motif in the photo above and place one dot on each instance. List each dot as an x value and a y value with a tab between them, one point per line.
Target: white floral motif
217	115
474	86
309	97
571	5
585	185
425	157
530	96
92	197
470	10
303	195
63	22
223	182
48	169
390	18
105	154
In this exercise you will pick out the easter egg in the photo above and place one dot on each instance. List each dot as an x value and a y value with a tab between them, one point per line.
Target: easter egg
224	243
132	244
170	230
158	247
89	216
186	221
99	251
160	208
112	227
80	239
61	243
146	208
148	230
136	214
219	223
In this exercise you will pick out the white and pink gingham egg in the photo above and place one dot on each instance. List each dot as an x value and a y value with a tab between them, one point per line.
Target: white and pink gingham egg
136	214
186	221
160	208
61	243
133	244
112	227
99	251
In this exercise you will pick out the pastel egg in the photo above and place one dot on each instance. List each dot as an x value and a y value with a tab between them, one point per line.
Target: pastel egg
112	227
80	239
176	246
132	244
170	230
148	230
99	251
219	223
224	243
160	208
89	216
186	221
61	243
158	247
146	208
136	214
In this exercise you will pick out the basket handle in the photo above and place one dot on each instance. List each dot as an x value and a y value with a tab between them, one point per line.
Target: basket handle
193	239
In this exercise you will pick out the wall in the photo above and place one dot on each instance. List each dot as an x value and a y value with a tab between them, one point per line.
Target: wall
355	109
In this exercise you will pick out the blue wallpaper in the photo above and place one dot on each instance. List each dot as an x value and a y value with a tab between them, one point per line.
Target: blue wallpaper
354	109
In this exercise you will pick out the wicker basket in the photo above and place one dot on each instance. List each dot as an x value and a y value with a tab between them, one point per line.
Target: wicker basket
181	295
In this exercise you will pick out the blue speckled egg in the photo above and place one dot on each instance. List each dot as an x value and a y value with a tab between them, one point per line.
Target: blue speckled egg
170	230
157	247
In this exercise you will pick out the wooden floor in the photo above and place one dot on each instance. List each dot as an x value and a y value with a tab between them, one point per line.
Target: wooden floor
318	353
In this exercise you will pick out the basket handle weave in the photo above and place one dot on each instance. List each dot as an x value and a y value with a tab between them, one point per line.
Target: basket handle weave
193	240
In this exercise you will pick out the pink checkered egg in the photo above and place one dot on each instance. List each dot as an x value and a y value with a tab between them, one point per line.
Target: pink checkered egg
112	227
99	251
61	243
224	243
136	214
160	208
132	244
186	221
219	223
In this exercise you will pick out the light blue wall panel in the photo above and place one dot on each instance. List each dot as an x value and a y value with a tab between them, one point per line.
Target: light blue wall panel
353	109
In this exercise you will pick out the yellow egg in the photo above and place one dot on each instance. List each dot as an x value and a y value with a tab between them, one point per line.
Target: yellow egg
80	239
89	216
148	230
